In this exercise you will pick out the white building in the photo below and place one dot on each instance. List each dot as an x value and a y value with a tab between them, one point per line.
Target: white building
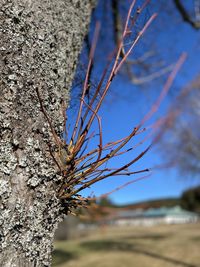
155	216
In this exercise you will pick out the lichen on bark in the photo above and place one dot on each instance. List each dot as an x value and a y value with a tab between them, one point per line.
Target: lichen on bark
40	42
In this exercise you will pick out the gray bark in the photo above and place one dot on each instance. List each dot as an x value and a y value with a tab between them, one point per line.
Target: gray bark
40	42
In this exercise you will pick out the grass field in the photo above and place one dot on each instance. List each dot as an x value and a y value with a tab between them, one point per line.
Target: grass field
166	246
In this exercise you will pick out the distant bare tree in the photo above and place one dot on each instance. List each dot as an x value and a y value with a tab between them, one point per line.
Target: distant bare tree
182	138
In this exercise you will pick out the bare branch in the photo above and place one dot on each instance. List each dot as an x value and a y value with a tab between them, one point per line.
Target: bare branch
185	15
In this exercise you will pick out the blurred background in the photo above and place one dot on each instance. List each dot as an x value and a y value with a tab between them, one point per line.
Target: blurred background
154	221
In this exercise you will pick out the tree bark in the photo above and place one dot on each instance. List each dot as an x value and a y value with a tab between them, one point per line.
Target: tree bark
40	42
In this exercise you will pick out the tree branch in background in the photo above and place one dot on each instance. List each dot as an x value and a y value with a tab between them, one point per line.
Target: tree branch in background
182	139
186	16
117	28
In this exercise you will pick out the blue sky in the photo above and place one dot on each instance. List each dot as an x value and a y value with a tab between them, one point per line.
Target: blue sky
125	106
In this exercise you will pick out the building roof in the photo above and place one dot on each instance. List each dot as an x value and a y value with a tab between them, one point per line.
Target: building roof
155	212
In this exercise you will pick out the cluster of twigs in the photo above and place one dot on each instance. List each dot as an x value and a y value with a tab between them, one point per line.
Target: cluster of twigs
82	168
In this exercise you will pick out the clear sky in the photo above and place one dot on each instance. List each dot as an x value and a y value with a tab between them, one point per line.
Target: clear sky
126	105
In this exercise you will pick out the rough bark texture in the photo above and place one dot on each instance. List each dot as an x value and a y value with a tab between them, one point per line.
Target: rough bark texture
40	42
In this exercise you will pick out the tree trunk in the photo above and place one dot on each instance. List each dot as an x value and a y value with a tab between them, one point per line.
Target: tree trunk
40	42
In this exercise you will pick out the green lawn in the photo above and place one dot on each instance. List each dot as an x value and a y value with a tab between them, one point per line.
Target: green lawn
174	245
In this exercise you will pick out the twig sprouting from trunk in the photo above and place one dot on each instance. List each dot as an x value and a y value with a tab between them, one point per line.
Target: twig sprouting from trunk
84	167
